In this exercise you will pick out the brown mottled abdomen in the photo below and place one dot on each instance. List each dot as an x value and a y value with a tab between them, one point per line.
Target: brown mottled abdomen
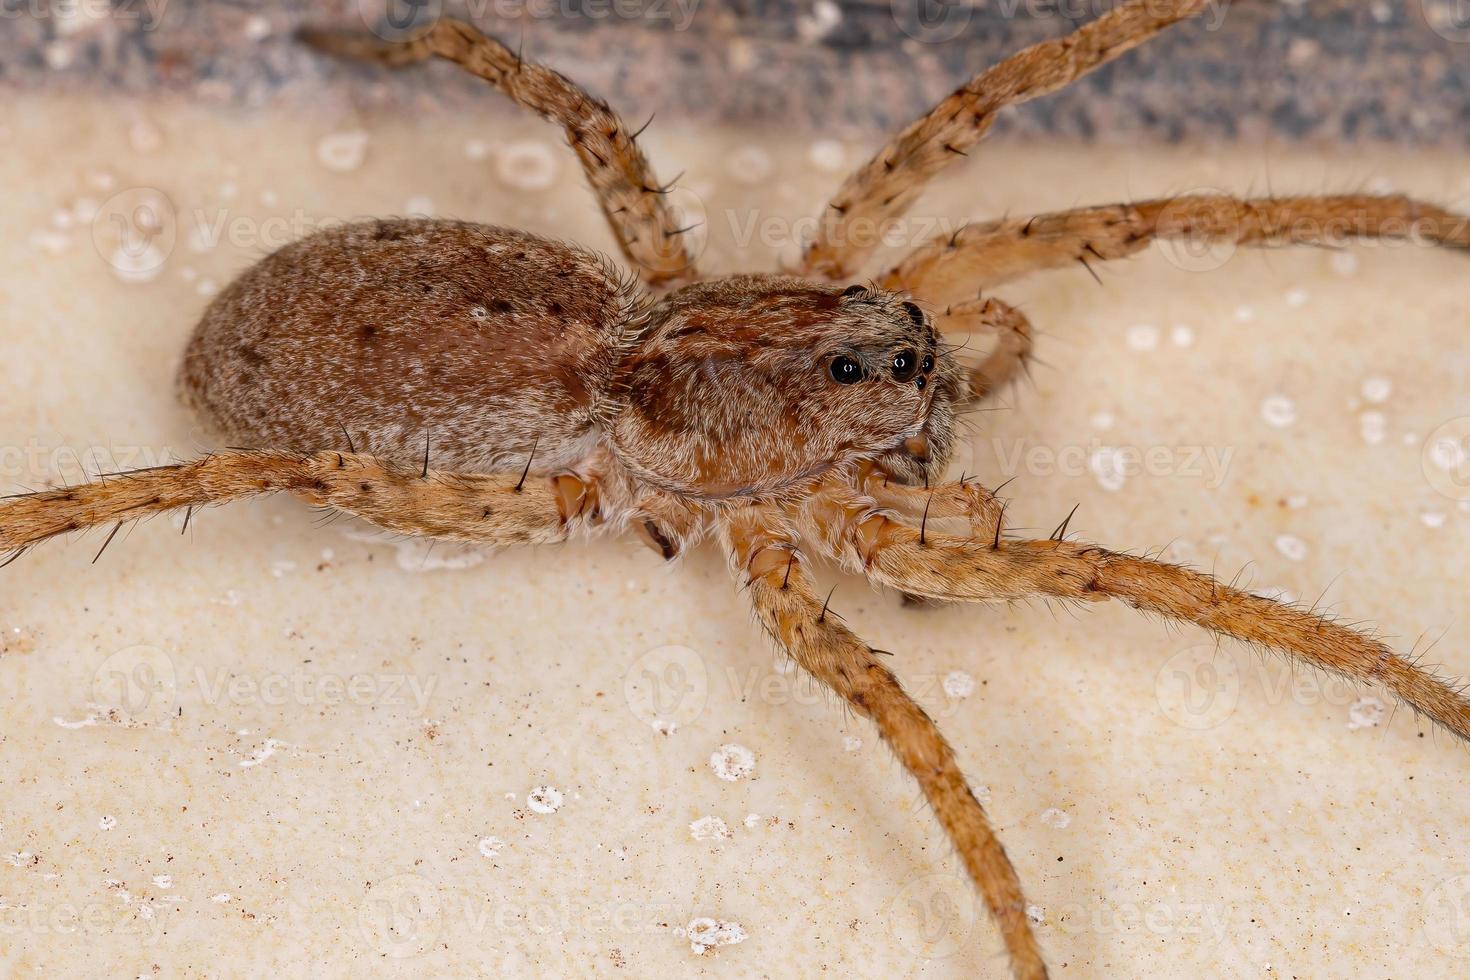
480	339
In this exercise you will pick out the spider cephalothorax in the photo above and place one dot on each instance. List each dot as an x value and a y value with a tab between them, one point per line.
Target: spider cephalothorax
754	385
474	383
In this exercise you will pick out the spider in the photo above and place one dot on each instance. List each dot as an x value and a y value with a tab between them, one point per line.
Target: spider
474	383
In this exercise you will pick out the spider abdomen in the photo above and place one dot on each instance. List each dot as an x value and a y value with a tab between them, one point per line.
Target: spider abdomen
474	340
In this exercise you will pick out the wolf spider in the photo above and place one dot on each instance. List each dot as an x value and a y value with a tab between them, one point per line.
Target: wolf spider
481	384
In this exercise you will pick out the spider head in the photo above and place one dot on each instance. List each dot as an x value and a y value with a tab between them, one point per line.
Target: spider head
755	384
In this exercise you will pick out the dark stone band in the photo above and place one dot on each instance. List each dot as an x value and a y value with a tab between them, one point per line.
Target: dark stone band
1321	70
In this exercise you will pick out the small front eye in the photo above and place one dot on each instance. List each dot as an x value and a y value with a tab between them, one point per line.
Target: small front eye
928	363
904	364
845	370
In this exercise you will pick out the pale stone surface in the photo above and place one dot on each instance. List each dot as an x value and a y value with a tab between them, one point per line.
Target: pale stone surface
312	742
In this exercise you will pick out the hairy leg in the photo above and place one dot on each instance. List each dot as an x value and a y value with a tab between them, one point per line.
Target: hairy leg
631	198
974	569
1012	353
885	186
984	256
762	550
496	510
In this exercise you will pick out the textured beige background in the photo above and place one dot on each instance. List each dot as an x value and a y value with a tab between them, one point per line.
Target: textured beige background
247	807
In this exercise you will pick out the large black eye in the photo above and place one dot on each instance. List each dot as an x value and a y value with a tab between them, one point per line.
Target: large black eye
904	364
915	314
845	370
854	290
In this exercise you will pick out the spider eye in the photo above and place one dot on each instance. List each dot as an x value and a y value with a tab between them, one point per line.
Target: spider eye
904	364
915	314
928	363
853	290
845	370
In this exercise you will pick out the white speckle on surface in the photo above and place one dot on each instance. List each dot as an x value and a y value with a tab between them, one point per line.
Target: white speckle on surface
851	743
1297	298
750	164
163	881
1143	336
958	684
1109	468
1182	335
827	155
490	846
282	567
21	859
220	898
1344	263
1102	421
50	242
1036	914
58	55
476	150
1291	546
144	137
261	754
1055	818
1279	411
1245	314
1373	427
257	28
706	934
1433	518
342	152
527	165
825	16
709	828
752	820
1377	389
106	822
1297	501
732	762
1366	712
419	206
544	799
207	287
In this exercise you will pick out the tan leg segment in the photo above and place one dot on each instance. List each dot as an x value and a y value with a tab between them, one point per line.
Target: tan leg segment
1013	347
762	553
632	199
984	256
488	509
973	569
884	187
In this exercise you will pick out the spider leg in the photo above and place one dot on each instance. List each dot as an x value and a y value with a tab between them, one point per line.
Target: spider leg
974	569
984	256
497	509
762	549
631	197
885	186
1014	342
